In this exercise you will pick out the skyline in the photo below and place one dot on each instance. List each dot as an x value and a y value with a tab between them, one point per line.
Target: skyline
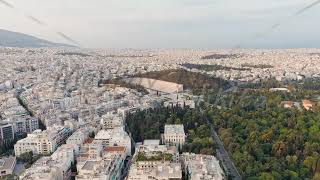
168	24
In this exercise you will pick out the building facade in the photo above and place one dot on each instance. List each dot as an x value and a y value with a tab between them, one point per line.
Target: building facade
42	142
198	166
114	137
6	133
155	170
174	134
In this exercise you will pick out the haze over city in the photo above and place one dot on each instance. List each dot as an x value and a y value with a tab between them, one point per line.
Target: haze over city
159	90
167	23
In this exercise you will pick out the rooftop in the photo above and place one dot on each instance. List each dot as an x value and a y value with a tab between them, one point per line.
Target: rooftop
152	142
7	163
115	149
173	129
89	165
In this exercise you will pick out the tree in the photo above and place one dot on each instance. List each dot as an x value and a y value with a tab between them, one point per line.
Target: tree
266	176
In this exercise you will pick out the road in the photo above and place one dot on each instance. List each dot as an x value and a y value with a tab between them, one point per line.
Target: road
125	170
223	155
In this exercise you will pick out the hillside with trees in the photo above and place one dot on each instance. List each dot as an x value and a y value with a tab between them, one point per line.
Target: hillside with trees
190	80
213	67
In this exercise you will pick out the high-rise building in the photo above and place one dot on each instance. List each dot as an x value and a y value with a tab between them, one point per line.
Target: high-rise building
6	132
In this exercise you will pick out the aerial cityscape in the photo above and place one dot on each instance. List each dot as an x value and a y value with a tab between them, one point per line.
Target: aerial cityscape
170	90
139	114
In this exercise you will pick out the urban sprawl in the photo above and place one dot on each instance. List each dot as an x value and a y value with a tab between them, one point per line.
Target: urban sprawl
54	103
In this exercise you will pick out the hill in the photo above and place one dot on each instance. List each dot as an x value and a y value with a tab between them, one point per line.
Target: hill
190	80
15	39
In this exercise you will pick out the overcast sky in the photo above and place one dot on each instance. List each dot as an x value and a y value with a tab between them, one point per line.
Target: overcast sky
168	23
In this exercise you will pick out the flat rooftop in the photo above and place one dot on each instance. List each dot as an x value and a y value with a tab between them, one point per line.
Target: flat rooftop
152	142
173	129
89	165
115	149
7	163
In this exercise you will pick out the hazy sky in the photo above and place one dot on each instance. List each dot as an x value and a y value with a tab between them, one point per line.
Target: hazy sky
168	23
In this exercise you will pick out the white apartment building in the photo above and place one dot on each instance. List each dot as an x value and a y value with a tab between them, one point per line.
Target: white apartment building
108	168
69	102
152	147
39	142
111	120
90	150
114	137
55	167
42	142
94	170
201	166
155	170
96	163
78	138
174	134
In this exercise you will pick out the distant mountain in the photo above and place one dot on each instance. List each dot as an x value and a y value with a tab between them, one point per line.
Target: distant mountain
15	39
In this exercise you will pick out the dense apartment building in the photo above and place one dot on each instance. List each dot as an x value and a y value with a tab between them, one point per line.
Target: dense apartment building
78	138
26	124
99	170
6	132
11	128
90	150
42	142
156	170
54	167
96	163
200	166
111	120
114	137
